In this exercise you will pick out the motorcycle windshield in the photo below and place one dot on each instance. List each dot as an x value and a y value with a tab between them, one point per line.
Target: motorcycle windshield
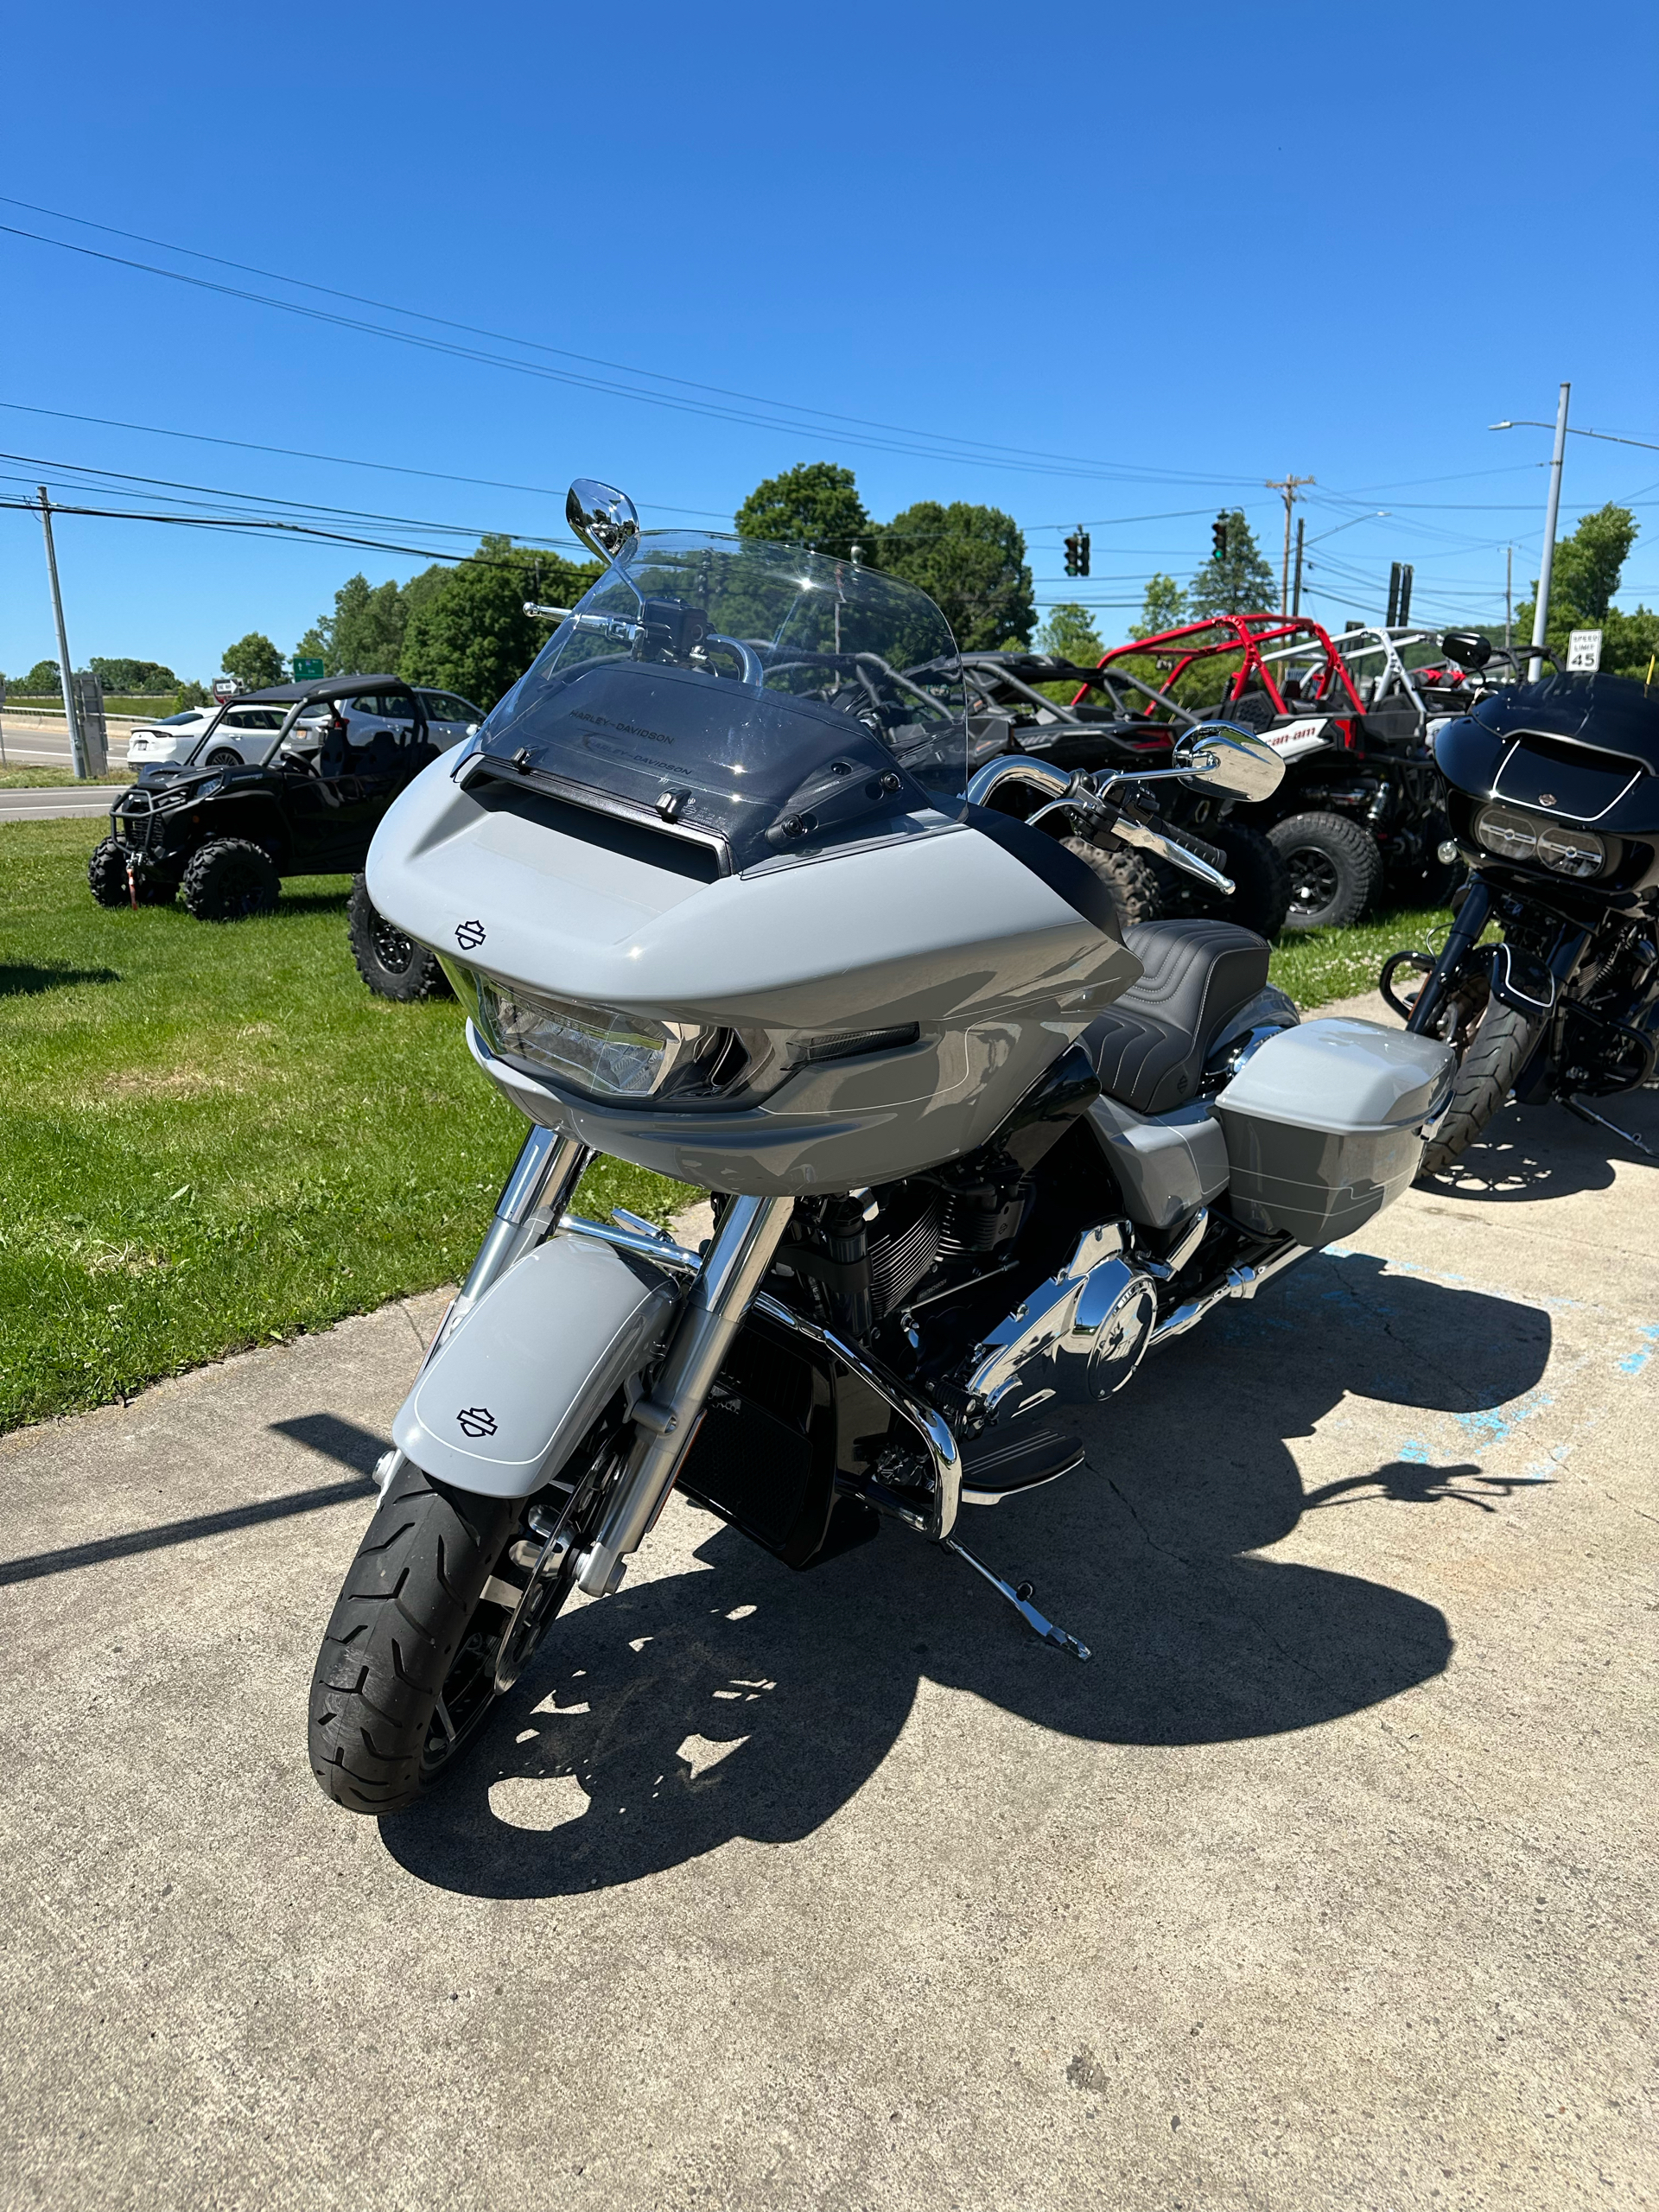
784	702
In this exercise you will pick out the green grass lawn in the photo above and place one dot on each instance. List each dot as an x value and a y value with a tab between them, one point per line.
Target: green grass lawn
13	779
1326	964
214	1136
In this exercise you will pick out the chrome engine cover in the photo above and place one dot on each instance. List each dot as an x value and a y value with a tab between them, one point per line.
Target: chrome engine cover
1078	1337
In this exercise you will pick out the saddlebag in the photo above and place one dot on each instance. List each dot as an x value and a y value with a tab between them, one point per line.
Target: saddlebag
1326	1125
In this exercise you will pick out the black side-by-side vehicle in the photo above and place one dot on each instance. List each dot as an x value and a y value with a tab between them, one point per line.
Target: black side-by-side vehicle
223	837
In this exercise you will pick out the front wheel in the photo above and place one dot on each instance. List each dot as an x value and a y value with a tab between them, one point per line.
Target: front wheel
428	1628
230	879
406	1674
1500	1047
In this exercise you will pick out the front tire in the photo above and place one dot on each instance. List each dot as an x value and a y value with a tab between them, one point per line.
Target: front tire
1335	868
392	965
1499	1049
406	1675
229	880
106	873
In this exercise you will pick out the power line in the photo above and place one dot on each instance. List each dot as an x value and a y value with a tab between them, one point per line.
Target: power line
308	506
787	415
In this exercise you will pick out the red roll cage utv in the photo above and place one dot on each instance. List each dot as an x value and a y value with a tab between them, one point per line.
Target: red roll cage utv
1361	803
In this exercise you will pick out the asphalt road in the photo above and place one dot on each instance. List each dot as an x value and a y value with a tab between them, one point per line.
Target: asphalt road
1326	1885
29	745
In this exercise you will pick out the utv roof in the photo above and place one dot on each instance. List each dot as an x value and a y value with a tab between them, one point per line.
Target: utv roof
327	687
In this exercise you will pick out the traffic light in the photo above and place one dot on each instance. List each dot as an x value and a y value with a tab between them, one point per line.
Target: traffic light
1076	553
1218	537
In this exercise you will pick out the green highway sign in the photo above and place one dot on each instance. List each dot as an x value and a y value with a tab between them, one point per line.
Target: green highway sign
306	671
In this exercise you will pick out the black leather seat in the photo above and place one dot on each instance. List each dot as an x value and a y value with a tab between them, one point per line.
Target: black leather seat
1148	1048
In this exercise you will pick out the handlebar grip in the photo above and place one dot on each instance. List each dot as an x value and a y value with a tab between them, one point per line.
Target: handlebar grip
1196	846
1144	818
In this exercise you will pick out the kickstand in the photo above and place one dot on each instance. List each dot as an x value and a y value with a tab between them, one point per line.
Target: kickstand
1576	1106
1020	1600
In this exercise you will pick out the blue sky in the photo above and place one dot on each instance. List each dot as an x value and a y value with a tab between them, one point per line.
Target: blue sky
1086	263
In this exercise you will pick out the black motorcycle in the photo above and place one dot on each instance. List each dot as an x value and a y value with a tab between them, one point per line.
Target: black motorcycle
1553	794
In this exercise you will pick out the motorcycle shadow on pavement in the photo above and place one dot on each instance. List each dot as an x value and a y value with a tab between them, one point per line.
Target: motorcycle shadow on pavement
1544	1152
739	1700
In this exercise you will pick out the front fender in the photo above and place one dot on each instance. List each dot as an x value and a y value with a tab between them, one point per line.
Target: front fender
509	1397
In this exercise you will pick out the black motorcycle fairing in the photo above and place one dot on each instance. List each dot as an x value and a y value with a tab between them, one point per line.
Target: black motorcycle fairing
1584	748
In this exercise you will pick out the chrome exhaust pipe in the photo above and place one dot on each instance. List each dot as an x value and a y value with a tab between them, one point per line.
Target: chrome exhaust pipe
1239	1282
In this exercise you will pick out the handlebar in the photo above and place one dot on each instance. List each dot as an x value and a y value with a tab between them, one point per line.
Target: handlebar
1077	796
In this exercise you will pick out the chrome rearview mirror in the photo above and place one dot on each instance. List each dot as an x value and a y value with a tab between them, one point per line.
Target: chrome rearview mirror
1226	757
602	518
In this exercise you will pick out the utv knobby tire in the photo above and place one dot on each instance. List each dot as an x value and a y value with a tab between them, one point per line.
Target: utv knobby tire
406	1630
106	874
392	965
1143	889
1493	1058
1335	868
230	879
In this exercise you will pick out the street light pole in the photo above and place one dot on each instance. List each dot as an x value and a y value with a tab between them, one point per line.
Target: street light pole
1540	615
76	750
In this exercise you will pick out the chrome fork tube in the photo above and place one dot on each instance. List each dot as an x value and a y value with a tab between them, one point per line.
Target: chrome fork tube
721	1295
542	1184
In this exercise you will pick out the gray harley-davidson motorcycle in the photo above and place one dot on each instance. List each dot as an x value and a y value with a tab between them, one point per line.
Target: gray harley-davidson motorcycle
725	893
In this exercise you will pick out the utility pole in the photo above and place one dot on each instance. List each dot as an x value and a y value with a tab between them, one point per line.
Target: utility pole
1296	588
77	751
1289	487
1540	615
1509	593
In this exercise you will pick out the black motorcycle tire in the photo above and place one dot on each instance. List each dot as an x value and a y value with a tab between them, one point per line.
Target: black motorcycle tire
230	879
1261	899
392	965
1493	1058
406	1675
1335	867
1143	889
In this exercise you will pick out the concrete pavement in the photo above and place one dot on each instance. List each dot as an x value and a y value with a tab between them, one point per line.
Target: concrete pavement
1324	1886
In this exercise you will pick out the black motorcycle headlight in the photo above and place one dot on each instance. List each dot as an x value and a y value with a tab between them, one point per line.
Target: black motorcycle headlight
1572	852
1512	836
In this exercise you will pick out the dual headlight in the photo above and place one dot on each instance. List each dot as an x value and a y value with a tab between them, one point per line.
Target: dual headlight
1515	836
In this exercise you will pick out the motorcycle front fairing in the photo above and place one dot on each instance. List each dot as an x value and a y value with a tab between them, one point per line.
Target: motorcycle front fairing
712	896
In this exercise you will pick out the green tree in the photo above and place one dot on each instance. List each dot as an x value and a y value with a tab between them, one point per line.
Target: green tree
1243	583
1588	566
1070	633
1164	607
191	695
254	662
468	632
816	504
131	679
40	682
971	561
